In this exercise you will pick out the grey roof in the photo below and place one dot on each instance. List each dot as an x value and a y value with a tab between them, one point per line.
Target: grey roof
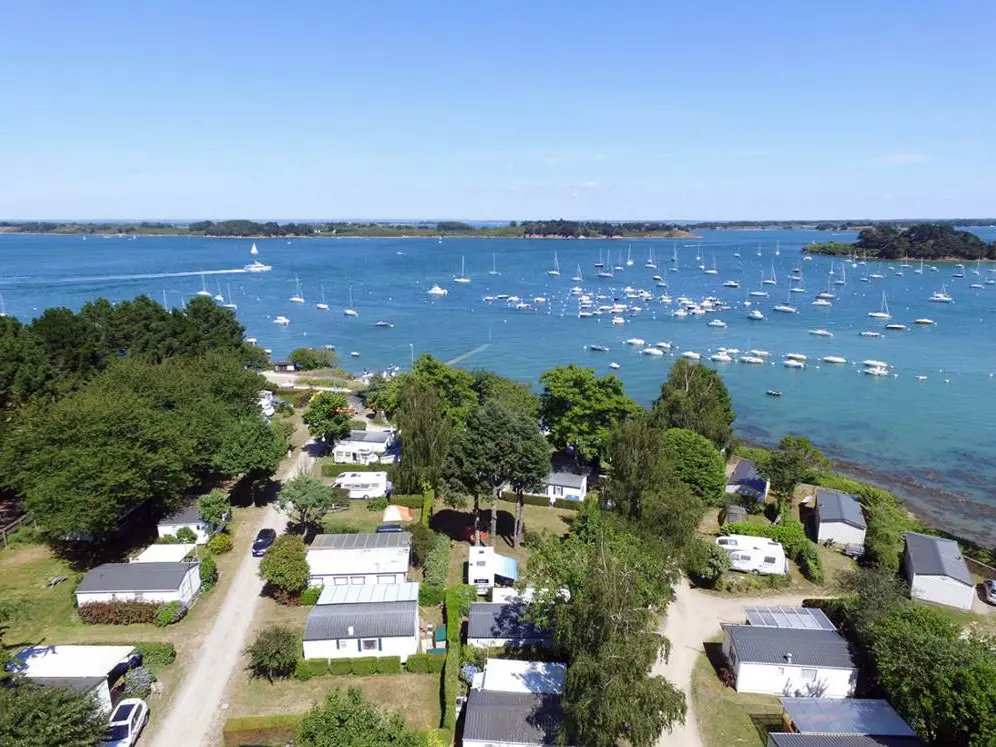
362	541
834	505
371	437
780	739
520	718
369	620
809	648
845	716
801	618
80	684
745	474
189	515
566	479
936	556
487	620
117	577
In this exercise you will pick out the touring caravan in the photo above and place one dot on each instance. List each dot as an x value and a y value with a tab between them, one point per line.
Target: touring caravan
364	485
754	554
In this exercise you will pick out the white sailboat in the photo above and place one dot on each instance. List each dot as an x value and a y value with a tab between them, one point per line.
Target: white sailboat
230	304
843	276
599	264
883	313
3	309
787	307
941	296
323	306
494	265
578	277
555	272
297	297
204	291
629	256
462	277
650	260
349	310
773	280
760	293
712	270
674	258
254	251
619	265
778	249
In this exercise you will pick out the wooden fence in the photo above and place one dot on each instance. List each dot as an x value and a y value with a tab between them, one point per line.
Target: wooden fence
9	529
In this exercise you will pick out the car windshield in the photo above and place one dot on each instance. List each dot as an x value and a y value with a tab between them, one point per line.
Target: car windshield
116	732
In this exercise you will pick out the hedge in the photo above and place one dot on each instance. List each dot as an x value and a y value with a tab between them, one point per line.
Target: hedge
331	469
437	563
792	536
430	596
360	665
451	686
428	501
118	613
341	666
543	500
409	501
310	596
308	668
567	504
425	663
170	613
261	729
156	655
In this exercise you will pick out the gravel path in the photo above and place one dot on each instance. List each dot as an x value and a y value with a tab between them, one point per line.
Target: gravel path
195	716
693	617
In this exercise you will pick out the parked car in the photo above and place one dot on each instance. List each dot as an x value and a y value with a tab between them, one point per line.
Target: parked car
263	541
126	723
389	528
989	589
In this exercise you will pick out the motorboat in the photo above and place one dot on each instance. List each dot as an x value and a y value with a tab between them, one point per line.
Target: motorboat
870	334
773	393
718	323
354	354
821	332
437	291
614	366
599	348
924	322
721	357
665	346
759	294
731	284
618	320
874	364
653	351
792	363
755	315
895	327
383	324
257	266
691	355
754	359
796	357
759	353
834	359
821	302
636	341
281	320
875	371
784	308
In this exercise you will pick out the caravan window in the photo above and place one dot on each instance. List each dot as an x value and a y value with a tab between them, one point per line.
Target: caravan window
769	560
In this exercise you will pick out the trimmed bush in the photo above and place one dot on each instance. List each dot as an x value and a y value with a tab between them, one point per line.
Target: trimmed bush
409	501
169	613
341	667
261	730
430	596
186	536
437	564
310	595
567	504
389	665
363	665
451	687
331	469
428	501
376	504
335	527
156	655
305	669
417	664
118	613
529	500
220	543
209	573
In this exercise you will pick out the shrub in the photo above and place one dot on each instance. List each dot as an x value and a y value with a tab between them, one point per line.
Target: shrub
169	613
465	596
138	683
529	500
705	562
408	501
167	539
310	595
389	665
428	501
363	665
417	664
220	543
376	504
437	563
423	540
305	669
273	654
335	527
285	565
567	504
186	536
156	655
451	686
118	613
209	573
29	535
341	666
430	596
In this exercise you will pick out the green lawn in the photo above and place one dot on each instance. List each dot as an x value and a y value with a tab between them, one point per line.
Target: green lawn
357	517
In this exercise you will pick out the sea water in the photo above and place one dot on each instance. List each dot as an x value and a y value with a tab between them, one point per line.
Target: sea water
929	439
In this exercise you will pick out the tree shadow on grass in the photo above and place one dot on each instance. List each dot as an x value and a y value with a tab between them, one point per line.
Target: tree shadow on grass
459	525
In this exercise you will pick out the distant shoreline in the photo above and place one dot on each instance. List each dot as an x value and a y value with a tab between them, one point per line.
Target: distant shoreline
426	235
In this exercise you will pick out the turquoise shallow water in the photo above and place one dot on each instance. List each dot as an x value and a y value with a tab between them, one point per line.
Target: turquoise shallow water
930	440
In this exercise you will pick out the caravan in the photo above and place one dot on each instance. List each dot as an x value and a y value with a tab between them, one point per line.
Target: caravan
364	485
754	554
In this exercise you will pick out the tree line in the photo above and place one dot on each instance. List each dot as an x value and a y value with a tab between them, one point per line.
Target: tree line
928	241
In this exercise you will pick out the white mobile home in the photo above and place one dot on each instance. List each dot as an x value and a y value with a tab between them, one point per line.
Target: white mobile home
364	485
790	661
570	486
364	447
140	582
486	568
937	571
370	620
189	517
754	554
357	559
838	518
491	625
90	669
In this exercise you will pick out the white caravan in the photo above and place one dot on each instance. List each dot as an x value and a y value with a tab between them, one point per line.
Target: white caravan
362	485
754	554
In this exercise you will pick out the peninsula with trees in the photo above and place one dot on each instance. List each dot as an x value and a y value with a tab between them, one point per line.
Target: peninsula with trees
928	241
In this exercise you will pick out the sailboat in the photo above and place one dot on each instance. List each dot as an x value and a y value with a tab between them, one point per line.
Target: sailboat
920	270
787	307
773	280
218	296
675	257
599	264
619	265
230	305
778	249
462	277
254	251
349	310
883	313
629	256
323	306
494	265
843	275
650	260
712	270
204	291
555	272
3	309
297	297
578	277
758	248
761	293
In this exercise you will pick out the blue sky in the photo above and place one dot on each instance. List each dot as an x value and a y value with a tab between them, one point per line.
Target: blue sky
487	110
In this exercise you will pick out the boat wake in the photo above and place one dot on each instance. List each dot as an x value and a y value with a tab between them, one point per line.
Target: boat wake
118	278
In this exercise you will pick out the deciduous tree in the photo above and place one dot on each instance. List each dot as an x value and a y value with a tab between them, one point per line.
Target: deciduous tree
328	417
252	448
214	507
308	497
694	397
697	463
308	359
792	463
349	720
37	716
273	654
425	433
285	565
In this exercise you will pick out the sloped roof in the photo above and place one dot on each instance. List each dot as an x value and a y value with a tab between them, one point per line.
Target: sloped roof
803	618
368	620
488	620
185	516
845	716
809	648
936	556
835	506
518	718
566	479
745	474
369	437
118	577
361	541
164	553
779	739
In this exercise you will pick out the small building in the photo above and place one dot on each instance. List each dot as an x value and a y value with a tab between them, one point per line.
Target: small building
140	582
515	704
734	513
782	739
284	367
745	480
562	484
850	716
937	571
89	669
364	447
790	661
166	554
486	568
838	518
368	620
357	559
190	518
491	625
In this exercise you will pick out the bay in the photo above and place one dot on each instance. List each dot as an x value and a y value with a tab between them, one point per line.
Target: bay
930	440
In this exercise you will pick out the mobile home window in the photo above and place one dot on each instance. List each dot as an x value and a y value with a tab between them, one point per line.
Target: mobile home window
356	580
809	675
368	644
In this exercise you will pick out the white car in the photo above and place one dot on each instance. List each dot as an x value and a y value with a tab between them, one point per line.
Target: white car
126	723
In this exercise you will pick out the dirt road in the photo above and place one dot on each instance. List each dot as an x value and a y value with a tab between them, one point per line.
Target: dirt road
195	716
692	618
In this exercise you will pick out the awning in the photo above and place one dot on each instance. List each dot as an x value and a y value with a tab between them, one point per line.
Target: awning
506	567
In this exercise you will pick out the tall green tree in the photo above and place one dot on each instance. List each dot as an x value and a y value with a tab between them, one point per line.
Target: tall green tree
453	386
698	464
512	395
38	716
328	417
694	397
529	465
308	497
579	409
308	359
794	460
214	507
251	448
285	565
425	434
349	720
